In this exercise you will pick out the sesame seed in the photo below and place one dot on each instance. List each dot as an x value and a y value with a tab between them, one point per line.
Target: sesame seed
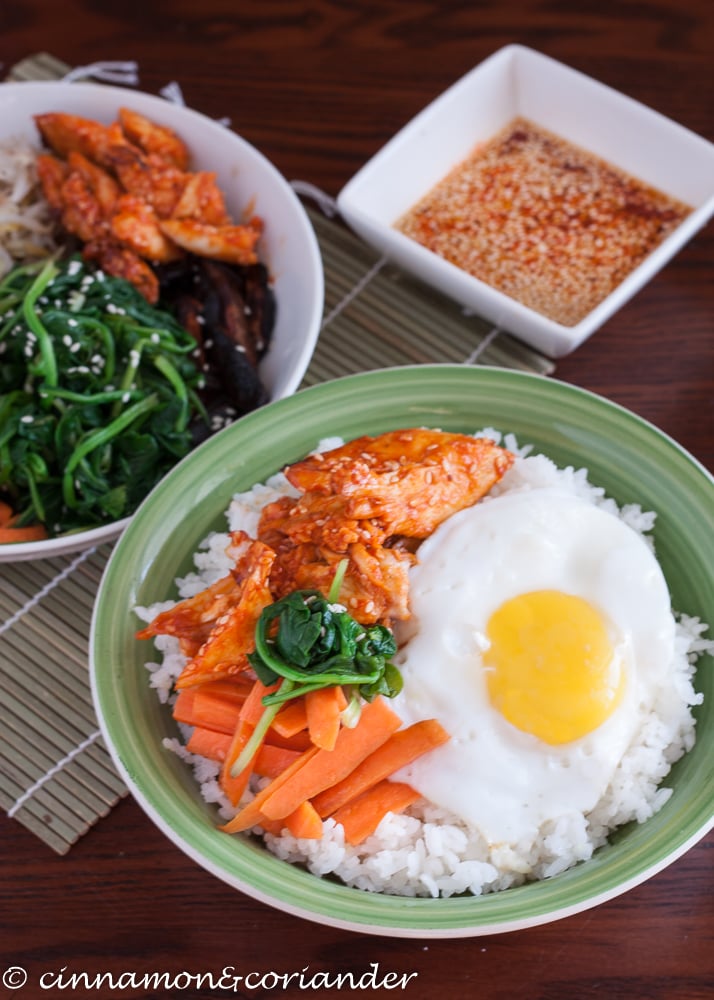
542	221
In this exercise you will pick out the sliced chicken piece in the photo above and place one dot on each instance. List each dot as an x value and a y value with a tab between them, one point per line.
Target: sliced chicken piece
147	176
102	185
408	480
136	225
65	134
318	520
82	213
232	244
121	262
203	200
195	616
154	138
225	652
52	174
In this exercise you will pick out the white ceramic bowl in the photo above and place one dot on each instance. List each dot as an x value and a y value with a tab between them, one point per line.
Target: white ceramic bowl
518	82
289	246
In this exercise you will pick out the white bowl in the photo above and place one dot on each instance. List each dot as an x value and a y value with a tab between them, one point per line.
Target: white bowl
289	246
518	82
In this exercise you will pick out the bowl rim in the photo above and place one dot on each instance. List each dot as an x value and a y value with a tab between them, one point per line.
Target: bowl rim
365	919
118	96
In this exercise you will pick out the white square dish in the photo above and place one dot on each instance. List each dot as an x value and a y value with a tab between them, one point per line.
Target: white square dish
517	82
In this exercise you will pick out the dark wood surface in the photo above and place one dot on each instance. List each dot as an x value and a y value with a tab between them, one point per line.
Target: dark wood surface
318	87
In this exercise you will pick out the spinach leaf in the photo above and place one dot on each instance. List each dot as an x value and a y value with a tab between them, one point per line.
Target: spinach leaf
98	390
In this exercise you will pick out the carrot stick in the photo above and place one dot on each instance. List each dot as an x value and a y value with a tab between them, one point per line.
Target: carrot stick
270	761
209	709
253	706
183	707
322	708
300	741
6	513
400	749
361	817
291	719
209	743
304	822
32	533
377	723
233	787
251	814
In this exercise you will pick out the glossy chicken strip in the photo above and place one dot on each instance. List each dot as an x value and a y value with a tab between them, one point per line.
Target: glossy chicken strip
102	185
375	587
82	214
154	138
195	614
407	480
136	225
121	262
231	244
202	199
319	520
52	174
225	652
147	176
65	134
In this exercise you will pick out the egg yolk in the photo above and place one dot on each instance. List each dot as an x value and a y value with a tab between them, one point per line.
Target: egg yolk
550	668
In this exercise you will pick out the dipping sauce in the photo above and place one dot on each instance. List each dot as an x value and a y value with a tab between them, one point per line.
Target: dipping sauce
542	221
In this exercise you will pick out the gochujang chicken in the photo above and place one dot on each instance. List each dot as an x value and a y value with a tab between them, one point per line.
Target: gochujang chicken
126	192
369	501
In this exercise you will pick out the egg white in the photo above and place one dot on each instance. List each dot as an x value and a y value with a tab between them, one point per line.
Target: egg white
503	781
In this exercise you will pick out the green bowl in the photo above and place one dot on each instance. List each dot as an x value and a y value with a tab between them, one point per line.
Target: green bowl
629	457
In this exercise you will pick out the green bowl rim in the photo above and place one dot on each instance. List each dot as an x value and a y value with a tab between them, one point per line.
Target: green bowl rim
316	899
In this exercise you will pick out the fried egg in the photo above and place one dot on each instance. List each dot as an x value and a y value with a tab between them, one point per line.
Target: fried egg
540	636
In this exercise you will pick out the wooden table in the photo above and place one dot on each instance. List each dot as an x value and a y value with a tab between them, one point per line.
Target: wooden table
319	87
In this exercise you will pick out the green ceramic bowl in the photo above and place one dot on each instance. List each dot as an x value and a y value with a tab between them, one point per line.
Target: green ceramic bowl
626	455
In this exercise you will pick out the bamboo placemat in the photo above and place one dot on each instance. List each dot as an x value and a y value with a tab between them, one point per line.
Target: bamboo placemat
56	775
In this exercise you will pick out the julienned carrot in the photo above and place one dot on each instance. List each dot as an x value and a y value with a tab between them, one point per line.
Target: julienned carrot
400	749
32	533
327	767
300	741
251	814
208	707
304	822
362	816
209	743
10	531
253	706
323	708
270	761
291	719
233	787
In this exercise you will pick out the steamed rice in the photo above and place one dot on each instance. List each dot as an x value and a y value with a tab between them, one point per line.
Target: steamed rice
427	851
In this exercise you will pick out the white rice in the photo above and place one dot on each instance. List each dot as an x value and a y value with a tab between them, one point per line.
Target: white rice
427	851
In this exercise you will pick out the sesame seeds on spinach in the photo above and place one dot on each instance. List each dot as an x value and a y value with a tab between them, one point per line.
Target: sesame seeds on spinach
98	394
